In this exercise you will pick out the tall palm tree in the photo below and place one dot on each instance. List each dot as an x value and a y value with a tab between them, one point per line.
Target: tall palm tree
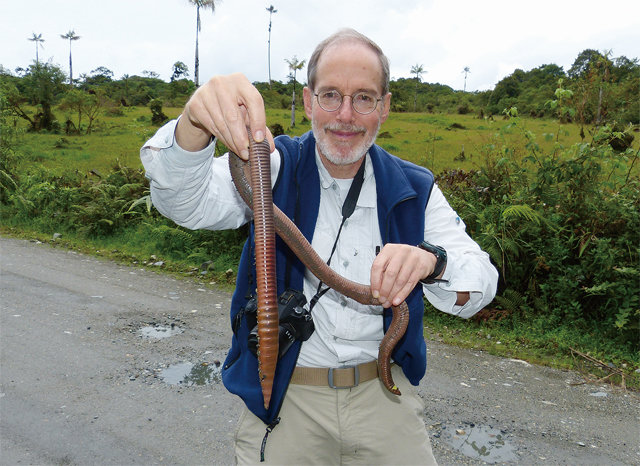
37	38
210	4
418	70
294	65
271	11
71	35
466	71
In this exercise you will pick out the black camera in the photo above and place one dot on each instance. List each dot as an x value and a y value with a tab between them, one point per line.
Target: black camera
295	322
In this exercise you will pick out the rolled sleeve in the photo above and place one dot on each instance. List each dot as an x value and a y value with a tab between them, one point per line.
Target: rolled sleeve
469	269
194	189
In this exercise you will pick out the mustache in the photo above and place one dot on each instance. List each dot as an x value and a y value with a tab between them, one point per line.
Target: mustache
345	127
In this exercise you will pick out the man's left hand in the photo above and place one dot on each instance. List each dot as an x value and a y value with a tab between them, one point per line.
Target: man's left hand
396	271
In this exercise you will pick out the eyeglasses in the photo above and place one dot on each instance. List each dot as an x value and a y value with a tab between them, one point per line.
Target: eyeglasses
362	102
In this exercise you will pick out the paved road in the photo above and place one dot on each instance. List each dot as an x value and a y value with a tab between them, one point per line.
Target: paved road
94	354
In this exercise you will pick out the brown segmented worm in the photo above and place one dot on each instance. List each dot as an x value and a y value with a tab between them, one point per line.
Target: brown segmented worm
288	231
265	239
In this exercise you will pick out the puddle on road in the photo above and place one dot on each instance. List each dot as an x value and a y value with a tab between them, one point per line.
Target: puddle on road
158	332
188	374
480	442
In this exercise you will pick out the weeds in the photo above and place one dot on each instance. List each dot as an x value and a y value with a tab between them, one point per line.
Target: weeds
563	230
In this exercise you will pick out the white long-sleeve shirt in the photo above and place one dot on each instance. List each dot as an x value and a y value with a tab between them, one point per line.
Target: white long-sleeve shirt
196	191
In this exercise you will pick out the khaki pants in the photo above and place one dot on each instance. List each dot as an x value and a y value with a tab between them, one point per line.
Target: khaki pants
360	425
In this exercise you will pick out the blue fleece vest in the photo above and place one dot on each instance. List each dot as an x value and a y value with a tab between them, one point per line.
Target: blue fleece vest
403	190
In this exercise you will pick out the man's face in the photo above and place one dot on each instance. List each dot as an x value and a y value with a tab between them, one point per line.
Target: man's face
344	136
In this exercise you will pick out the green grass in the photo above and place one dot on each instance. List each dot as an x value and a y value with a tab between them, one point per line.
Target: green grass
435	141
537	341
114	139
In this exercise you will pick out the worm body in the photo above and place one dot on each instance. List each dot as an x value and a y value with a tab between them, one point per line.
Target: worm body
296	241
265	267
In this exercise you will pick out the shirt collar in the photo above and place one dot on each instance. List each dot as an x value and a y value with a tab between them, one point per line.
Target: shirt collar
367	196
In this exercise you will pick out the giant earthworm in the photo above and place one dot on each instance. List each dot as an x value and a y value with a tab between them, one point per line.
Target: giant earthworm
262	202
296	241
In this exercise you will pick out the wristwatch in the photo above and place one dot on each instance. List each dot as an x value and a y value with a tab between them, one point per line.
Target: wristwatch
441	262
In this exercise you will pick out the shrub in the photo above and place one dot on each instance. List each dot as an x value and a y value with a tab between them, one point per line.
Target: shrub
276	129
563	230
8	157
157	115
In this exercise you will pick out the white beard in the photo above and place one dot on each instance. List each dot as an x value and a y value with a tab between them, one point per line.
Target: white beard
333	154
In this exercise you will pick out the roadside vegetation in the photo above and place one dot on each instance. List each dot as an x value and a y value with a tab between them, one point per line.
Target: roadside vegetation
543	170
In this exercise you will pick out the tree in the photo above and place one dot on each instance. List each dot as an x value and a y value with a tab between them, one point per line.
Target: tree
591	70
71	35
37	38
624	68
418	70
124	100
96	103
179	70
583	62
101	75
271	11
211	4
41	85
294	65
466	71
75	100
506	92
89	104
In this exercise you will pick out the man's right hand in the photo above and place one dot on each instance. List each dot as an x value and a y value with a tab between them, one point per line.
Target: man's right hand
224	107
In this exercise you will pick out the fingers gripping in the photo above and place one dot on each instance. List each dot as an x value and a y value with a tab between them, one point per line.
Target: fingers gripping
395	272
225	107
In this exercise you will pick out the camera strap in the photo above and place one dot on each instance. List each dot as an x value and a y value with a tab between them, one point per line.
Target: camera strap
347	209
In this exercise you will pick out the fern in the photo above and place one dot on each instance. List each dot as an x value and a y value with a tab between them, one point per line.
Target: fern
146	200
511	300
522	211
172	239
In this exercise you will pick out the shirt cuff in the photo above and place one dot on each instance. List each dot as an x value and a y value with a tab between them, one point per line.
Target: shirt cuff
165	140
443	295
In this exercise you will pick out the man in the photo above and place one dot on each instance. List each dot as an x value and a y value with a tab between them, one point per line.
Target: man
402	231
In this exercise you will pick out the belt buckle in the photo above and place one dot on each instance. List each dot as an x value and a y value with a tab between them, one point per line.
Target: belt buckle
356	377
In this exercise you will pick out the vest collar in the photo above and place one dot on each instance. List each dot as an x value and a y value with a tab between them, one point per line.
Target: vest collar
392	184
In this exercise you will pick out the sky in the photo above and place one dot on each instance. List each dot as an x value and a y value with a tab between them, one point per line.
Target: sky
491	37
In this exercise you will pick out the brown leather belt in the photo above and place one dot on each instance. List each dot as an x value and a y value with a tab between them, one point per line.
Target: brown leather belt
342	377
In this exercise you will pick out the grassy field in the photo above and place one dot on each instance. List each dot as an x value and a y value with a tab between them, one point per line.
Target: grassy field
437	141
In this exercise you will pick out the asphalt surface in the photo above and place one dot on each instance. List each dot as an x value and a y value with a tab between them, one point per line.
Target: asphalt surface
94	356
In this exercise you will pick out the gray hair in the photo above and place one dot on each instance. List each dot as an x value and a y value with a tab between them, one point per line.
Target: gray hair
347	35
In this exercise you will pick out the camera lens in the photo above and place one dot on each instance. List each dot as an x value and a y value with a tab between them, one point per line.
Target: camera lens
285	339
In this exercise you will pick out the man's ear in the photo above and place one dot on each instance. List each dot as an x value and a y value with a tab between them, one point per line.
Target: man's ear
306	97
386	101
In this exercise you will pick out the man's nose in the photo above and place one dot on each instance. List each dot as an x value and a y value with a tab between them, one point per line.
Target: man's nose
346	111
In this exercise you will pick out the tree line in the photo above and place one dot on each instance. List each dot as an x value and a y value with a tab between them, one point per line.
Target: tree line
597	89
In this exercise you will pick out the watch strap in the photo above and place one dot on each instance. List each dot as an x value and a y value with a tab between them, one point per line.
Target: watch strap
441	262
